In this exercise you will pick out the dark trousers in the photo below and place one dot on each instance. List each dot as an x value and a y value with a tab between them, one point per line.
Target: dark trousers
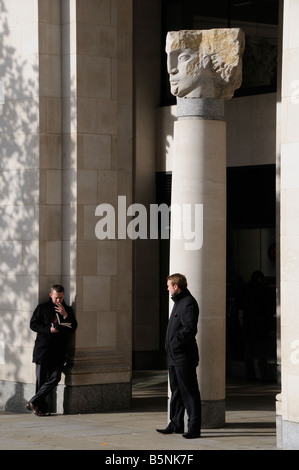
47	378
185	395
258	349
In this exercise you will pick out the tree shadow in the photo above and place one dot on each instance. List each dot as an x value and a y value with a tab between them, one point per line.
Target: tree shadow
19	186
26	135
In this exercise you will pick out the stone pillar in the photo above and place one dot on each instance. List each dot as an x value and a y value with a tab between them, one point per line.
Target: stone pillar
287	407
66	147
97	168
30	161
199	178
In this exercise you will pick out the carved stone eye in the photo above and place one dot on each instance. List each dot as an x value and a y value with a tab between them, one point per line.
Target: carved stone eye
184	57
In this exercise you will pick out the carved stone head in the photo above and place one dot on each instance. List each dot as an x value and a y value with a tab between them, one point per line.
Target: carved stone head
205	63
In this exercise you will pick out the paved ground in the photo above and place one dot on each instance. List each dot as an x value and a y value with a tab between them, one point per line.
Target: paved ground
250	423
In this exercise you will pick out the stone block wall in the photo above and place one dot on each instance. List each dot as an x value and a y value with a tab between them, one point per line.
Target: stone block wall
66	147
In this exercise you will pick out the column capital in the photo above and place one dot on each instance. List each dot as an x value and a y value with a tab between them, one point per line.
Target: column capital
205	63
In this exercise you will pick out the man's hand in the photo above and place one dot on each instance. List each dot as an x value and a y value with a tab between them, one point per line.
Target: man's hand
60	309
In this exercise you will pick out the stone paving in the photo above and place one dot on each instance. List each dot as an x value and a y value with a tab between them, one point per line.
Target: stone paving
250	423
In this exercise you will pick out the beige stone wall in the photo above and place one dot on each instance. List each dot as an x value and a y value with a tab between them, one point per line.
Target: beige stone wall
97	169
250	131
20	185
66	147
50	145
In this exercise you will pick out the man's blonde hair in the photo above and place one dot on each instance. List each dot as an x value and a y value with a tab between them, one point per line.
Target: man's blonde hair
178	279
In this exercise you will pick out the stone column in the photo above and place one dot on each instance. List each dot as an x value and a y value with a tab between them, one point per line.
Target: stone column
287	406
97	168
205	69
66	147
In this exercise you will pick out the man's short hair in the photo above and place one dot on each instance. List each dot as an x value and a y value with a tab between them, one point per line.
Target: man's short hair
57	288
178	279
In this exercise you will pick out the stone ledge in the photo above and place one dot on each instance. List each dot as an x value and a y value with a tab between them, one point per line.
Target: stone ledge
97	398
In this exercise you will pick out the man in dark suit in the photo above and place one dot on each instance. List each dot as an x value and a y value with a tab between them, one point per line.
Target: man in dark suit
53	321
182	355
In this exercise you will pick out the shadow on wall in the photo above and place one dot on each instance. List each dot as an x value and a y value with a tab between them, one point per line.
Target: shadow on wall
19	185
26	136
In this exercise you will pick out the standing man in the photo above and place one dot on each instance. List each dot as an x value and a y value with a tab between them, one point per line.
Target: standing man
182	355
53	321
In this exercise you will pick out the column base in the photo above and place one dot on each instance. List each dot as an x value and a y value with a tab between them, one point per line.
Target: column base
287	434
15	395
97	398
67	399
212	414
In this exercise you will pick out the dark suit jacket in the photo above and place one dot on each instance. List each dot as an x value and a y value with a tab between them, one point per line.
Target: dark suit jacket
50	348
180	343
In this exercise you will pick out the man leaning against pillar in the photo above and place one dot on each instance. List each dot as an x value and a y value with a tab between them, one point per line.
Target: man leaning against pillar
54	322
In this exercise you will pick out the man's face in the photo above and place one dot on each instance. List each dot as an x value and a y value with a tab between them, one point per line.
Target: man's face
172	288
184	73
57	297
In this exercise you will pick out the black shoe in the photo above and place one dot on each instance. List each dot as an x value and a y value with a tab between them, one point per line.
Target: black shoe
32	408
192	435
40	413
170	430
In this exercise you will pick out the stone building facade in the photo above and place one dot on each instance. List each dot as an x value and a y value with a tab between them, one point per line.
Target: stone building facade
67	75
81	124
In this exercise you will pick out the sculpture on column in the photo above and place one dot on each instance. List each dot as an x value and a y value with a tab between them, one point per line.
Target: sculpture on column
205	63
205	68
